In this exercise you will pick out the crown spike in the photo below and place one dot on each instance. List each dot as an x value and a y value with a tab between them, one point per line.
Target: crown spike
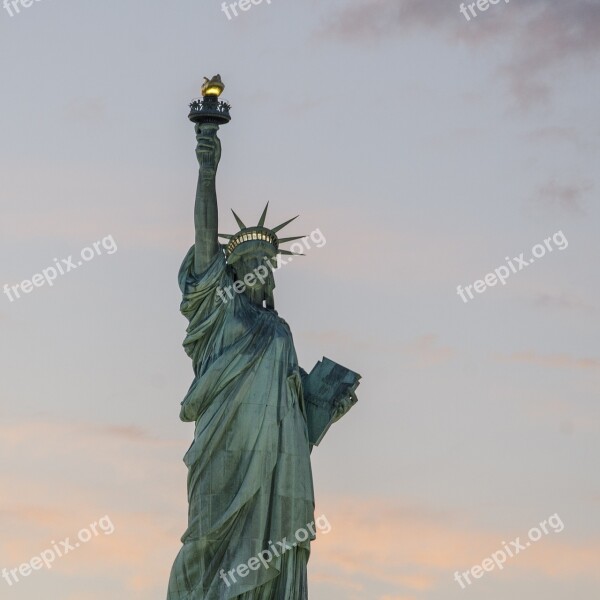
239	221
288	253
261	222
276	229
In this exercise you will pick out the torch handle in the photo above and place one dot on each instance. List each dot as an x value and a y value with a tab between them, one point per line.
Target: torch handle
207	159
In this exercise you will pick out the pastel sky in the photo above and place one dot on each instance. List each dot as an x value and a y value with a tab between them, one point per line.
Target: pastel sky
426	148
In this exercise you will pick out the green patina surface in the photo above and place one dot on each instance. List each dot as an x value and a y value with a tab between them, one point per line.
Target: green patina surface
249	481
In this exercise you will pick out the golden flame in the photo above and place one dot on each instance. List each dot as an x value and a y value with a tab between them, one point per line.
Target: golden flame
212	90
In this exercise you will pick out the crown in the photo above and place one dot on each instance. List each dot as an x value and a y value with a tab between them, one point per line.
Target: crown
257	239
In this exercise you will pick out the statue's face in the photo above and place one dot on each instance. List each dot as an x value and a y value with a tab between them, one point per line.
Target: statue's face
257	278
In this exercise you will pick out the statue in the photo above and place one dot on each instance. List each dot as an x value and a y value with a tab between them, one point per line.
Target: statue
257	414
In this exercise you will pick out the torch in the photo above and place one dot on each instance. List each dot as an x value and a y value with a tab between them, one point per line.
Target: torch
209	111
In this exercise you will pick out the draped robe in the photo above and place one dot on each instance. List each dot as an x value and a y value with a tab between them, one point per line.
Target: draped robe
249	474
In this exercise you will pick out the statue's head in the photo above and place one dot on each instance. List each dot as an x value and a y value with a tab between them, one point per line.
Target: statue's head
252	254
255	270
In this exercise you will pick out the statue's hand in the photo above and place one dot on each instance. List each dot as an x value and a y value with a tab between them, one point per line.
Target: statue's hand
208	150
344	405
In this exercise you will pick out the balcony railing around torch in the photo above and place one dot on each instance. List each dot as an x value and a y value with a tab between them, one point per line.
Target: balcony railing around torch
210	105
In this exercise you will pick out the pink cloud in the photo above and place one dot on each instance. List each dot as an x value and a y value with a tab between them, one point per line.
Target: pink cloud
415	550
406	551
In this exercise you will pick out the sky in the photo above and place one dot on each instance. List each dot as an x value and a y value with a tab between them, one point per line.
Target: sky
430	151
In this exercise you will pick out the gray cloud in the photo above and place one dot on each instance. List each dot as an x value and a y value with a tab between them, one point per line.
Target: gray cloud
561	301
542	35
555	134
565	197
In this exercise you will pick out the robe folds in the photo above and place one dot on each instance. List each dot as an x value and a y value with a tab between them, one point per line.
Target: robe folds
249	474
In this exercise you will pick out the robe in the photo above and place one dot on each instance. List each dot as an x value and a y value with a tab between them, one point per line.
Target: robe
249	474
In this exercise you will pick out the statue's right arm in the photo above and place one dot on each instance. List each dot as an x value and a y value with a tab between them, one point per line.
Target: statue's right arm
206	217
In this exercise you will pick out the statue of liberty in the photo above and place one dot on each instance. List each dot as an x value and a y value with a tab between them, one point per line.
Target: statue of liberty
257	414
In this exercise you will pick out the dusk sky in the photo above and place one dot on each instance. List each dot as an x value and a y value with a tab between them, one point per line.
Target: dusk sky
430	151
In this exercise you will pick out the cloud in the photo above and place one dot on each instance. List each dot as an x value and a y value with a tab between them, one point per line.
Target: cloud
33	515
128	432
342	583
562	301
422	351
366	21
565	197
426	352
567	417
542	35
76	431
556	34
551	361
139	538
77	473
544	135
413	551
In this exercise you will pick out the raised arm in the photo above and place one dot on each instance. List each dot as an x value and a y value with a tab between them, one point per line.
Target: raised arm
206	216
